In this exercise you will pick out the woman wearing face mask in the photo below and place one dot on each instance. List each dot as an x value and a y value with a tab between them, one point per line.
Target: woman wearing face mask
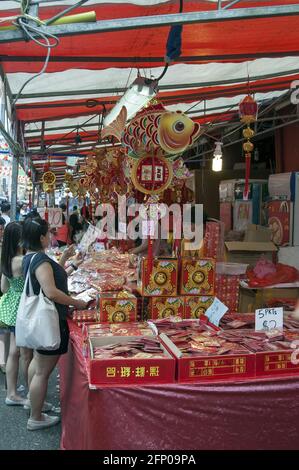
51	277
12	284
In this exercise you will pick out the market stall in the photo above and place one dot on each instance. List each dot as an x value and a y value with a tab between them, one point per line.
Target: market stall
256	414
168	353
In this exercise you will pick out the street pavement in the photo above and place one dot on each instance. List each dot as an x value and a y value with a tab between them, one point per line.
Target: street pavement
13	420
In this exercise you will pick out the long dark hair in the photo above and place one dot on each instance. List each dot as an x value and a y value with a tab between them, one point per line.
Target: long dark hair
11	243
33	229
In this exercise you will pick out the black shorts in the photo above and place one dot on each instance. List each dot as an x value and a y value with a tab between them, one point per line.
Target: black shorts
64	335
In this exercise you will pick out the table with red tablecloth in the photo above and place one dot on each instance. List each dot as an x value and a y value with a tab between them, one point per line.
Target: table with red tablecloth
257	414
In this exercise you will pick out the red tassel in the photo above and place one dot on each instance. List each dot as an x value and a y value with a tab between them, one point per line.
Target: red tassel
90	212
67	207
46	211
150	261
247	176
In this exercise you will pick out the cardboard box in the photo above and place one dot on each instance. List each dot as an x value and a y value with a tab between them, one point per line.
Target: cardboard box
197	276
164	307
116	307
251	299
128	371
247	300
196	306
257	233
211	368
163	280
249	252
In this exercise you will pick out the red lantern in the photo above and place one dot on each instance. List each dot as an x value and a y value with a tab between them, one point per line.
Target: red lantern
248	109
29	173
248	113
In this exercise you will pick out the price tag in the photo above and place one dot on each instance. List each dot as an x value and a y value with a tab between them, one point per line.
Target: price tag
148	228
99	246
268	318
216	311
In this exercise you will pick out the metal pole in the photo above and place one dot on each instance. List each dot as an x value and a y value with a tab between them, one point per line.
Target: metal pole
64	12
14	187
157	21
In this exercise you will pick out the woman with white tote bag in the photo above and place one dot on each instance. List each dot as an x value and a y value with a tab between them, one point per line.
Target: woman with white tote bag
49	276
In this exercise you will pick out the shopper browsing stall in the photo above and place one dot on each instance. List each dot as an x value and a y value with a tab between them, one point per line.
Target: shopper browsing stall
49	276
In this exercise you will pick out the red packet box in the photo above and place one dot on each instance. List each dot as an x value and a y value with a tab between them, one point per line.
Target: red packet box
116	307
211	368
196	306
164	307
80	317
278	363
197	276
129	371
281	362
163	279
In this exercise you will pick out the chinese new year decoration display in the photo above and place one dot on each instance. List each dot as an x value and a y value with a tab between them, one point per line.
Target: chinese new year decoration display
151	175
248	109
154	131
107	174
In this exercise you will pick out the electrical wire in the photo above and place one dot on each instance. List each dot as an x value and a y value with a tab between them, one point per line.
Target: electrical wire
28	29
167	63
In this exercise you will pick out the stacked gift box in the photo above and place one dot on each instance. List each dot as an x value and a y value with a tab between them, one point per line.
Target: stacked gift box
182	289
227	283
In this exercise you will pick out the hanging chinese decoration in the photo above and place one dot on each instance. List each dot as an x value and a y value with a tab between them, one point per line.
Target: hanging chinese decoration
248	110
151	175
107	173
154	131
49	180
153	138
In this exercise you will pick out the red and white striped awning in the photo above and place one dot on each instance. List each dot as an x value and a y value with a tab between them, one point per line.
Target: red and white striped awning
89	70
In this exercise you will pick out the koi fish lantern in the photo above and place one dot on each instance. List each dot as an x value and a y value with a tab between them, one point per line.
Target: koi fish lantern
154	131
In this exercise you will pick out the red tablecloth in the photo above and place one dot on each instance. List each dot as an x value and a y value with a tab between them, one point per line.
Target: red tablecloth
252	415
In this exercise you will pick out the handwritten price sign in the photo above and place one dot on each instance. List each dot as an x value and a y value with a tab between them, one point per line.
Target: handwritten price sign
54	216
268	318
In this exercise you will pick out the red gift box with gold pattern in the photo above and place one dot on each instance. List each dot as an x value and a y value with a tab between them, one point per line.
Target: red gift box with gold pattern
164	307
129	371
196	306
197	276
116	307
227	289
163	279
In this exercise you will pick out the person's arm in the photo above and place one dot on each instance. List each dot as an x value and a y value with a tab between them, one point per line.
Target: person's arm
44	275
4	284
141	248
67	254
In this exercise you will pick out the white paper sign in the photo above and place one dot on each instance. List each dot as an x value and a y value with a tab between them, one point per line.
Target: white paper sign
268	318
54	216
122	227
148	228
99	246
216	311
89	237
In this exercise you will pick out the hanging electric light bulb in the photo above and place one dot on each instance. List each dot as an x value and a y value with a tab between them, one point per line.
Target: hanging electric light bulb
217	160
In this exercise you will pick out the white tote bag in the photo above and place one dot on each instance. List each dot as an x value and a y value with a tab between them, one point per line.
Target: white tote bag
37	325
